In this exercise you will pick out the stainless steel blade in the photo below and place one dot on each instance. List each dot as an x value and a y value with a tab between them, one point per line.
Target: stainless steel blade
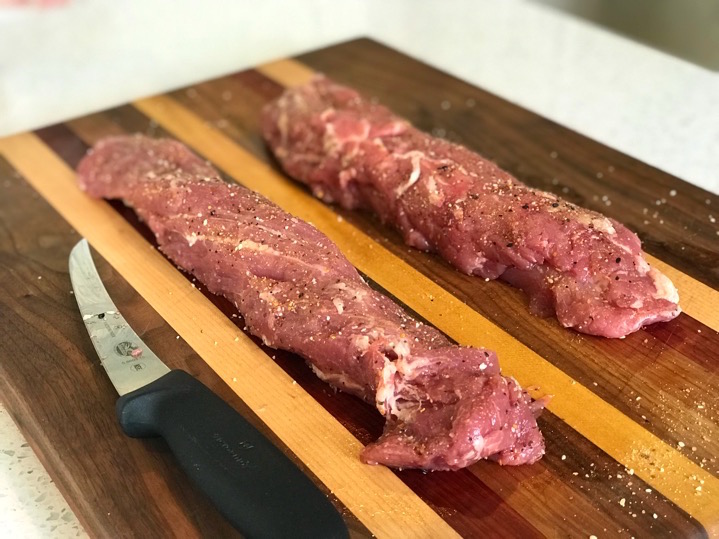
129	363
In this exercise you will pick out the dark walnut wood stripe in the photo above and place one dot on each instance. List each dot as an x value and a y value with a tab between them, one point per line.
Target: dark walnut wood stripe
359	418
634	374
477	500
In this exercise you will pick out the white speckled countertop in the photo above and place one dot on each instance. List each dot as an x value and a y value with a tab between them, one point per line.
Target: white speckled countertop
91	54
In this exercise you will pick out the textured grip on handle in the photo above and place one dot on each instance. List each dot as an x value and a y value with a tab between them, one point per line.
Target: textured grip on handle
251	482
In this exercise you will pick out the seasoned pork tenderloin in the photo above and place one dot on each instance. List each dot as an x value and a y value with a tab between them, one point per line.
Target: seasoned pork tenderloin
587	269
446	406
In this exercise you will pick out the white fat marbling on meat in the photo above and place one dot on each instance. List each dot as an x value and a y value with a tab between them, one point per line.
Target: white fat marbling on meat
435	197
254	246
642	266
267	296
604	225
386	395
478	443
361	342
665	288
191	239
340	381
333	142
415	157
601	224
401	348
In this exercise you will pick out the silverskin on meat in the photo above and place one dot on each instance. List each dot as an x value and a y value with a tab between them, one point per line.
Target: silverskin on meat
446	406
587	269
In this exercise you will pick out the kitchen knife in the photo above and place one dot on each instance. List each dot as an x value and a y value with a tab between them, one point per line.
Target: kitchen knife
251	482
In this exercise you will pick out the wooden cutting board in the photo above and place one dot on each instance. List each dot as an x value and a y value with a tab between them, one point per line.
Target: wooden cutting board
631	432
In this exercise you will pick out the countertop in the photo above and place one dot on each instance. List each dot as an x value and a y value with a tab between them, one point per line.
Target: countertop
85	55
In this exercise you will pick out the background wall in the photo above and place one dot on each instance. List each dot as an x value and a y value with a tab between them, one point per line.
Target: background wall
85	55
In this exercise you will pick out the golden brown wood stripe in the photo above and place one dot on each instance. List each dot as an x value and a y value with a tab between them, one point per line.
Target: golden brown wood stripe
374	494
697	299
597	420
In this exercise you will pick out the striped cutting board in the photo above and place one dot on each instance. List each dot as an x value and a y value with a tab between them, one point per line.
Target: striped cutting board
632	438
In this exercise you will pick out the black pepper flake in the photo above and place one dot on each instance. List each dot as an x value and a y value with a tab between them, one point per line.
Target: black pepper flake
618	260
555	204
510	244
525	206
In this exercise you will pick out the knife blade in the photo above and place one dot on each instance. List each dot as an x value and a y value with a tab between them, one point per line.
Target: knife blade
252	483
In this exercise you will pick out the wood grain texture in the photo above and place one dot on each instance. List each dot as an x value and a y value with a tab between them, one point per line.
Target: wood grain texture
614	464
552	479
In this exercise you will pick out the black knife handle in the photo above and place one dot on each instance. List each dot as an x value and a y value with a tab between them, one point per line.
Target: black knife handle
250	481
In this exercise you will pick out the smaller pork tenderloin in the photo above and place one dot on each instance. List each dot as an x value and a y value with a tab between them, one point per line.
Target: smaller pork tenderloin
577	263
446	406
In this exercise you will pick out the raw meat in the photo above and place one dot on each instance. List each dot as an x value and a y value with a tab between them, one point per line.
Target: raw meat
446	406
586	268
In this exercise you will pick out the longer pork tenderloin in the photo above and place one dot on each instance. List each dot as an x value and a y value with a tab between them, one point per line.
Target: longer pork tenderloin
446	406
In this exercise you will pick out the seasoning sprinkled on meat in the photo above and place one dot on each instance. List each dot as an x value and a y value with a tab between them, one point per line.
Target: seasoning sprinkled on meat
446	406
575	263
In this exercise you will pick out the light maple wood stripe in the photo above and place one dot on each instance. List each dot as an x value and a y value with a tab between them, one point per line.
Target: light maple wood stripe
287	72
380	500
612	431
696	299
